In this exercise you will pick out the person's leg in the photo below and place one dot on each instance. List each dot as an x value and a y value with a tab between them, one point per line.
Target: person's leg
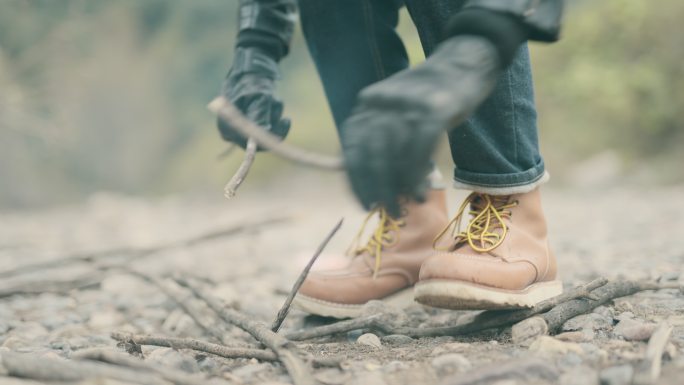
496	150
501	259
354	44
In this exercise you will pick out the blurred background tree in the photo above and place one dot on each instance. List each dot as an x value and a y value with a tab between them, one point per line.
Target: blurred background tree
101	95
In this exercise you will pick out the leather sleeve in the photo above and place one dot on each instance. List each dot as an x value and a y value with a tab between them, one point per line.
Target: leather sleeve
542	17
267	24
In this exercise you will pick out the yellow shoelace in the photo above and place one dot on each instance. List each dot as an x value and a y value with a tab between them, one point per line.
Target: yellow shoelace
488	213
382	236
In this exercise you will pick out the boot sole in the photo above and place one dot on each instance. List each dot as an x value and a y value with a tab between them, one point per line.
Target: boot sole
400	299
459	295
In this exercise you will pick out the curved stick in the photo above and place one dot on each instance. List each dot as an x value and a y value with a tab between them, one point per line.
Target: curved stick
232	117
240	175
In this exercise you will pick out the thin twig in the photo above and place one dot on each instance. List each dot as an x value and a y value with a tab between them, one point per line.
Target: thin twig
334	328
121	359
647	371
287	353
140	252
211	348
232	117
197	345
234	183
295	288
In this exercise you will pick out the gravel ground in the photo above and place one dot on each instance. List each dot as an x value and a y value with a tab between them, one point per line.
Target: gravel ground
618	232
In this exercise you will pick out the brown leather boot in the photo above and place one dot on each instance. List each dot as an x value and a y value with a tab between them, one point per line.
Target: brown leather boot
502	260
386	268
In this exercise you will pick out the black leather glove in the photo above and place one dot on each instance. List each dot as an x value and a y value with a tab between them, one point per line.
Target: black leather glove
265	30
250	86
391	135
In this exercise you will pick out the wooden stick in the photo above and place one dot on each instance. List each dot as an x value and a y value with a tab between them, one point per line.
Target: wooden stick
211	348
557	316
647	371
121	359
37	367
141	252
295	288
484	321
234	118
183	300
287	353
197	345
234	183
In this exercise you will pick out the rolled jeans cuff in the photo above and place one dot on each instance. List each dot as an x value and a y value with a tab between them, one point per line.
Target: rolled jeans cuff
502	184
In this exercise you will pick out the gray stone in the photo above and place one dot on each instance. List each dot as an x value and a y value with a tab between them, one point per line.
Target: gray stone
526	370
591	321
332	376
593	354
570	360
546	344
451	347
525	332
625	315
395	366
391	315
617	375
396	339
605	311
29	330
369	339
105	320
174	359
577	336
450	363
582	375
632	330
16	343
250	370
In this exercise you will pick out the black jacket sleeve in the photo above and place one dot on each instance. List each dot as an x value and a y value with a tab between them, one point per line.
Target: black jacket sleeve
267	25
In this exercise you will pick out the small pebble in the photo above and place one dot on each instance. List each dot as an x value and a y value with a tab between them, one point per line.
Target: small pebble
546	344
591	321
450	364
525	332
578	336
617	375
632	330
369	339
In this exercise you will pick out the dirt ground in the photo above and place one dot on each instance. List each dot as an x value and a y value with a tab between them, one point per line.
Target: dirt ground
616	232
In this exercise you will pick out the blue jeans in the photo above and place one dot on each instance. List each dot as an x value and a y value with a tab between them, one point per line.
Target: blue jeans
354	44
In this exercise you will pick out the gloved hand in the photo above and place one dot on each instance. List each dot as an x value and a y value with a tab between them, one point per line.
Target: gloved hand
392	133
250	86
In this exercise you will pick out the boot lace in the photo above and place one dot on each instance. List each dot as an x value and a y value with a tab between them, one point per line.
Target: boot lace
487	228
384	235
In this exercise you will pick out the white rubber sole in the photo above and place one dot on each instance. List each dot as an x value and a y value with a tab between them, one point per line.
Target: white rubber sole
459	295
400	299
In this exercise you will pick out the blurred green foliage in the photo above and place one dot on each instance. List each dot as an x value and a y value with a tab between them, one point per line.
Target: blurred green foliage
110	95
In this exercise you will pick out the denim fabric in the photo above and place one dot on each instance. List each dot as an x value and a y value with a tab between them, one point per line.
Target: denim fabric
354	44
